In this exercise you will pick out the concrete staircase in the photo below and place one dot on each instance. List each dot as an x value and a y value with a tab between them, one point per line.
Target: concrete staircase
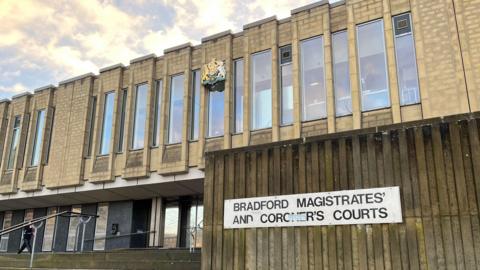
138	259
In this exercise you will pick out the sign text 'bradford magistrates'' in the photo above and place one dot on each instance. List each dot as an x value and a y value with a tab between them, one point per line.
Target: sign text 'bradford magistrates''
360	206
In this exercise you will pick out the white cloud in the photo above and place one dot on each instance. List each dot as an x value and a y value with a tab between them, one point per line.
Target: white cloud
67	38
13	89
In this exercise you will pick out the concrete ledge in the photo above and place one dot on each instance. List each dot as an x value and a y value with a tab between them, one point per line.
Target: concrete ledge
309	6
90	74
21	95
40	89
119	65
176	48
259	22
3	100
216	36
142	58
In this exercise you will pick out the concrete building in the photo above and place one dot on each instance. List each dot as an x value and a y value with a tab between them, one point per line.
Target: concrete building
129	143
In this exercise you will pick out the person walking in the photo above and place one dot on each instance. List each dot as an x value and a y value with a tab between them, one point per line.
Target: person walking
27	236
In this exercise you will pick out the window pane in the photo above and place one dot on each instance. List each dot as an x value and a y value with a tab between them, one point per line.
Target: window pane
262	90
37	143
406	65
158	112
194	234
171	227
215	113
72	229
14	142
341	74
176	109
107	123
101	227
7	222
313	80
286	94
121	131
373	66
196	105
140	117
49	230
238	89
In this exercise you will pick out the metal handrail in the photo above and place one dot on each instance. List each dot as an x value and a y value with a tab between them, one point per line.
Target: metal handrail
40	221
24	224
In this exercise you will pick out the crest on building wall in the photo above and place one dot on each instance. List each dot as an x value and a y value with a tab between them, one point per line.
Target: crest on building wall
213	75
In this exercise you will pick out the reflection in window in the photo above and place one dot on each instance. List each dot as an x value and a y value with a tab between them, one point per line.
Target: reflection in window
7	222
341	74
175	124
238	92
170	235
38	139
107	123
101	227
72	229
49	231
140	117
121	128
215	113
286	86
195	221
196	104
313	80
14	142
261	90
158	112
373	66
406	63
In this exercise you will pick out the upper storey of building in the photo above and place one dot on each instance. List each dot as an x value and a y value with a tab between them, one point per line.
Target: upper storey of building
325	69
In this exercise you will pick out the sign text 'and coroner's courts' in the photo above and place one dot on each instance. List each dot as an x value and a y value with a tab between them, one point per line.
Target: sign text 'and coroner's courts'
360	206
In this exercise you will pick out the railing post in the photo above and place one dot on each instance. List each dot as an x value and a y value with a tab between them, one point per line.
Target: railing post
32	252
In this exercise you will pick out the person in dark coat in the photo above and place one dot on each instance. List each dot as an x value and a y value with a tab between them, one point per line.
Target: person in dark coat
27	236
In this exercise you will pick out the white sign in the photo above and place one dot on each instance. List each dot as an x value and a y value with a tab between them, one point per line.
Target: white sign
360	206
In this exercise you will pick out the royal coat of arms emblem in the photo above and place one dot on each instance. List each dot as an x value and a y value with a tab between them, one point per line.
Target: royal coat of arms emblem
213	75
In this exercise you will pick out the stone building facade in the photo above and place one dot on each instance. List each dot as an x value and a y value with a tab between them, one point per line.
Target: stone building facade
110	143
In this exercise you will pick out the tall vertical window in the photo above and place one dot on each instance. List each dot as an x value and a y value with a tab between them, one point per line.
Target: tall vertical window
100	227
14	142
158	112
195	218
49	231
261	90
406	60
238	94
175	123
373	66
286	85
195	105
170	234
7	222
140	117
341	74
121	131
314	95
107	123
37	142
92	125
215	113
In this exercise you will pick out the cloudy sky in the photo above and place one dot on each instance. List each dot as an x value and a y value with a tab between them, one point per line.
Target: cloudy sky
43	41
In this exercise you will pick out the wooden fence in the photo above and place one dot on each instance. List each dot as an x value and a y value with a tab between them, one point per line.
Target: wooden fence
435	162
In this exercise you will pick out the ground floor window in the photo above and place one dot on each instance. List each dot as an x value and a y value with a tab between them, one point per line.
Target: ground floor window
170	230
7	222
